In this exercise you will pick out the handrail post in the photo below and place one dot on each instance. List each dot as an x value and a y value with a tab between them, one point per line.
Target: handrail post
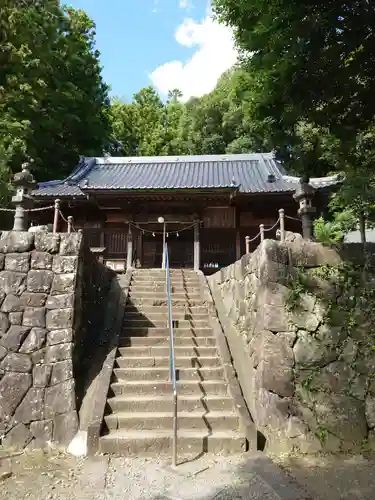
261	230
282	224
247	244
70	223
172	364
56	216
163	263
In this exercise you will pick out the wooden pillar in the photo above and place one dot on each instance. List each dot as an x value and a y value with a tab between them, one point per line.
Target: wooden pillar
140	249
129	256
238	235
197	250
102	242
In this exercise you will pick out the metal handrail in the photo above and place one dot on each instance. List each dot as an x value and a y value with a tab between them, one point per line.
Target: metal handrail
172	363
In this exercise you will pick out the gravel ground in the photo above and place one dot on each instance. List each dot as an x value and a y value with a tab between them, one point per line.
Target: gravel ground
48	476
53	476
334	477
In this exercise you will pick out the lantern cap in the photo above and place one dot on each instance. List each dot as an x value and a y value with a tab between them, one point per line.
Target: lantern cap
25	178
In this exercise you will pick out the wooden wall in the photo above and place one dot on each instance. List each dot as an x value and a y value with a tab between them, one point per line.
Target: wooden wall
222	229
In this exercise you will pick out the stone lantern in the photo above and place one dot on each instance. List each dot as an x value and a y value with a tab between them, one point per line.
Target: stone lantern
24	183
304	195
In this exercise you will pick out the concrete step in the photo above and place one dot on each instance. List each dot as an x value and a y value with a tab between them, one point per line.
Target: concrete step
161	281
218	420
151	331
164	341
157	271
159	442
161	288
162	301
163	315
157	351
164	403
149	294
152	387
162	322
149	309
162	374
163	361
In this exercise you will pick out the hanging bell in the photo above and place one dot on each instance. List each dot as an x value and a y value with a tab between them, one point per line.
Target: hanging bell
167	235
153	234
177	235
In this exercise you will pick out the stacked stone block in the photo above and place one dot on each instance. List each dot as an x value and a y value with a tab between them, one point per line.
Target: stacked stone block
308	383
39	290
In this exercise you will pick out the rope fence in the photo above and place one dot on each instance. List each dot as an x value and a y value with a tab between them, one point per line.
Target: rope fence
176	232
38	209
58	215
263	230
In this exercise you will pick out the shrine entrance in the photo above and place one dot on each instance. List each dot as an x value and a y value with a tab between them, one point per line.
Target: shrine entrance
180	241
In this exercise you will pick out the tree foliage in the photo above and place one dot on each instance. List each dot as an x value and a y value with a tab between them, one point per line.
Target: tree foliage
314	71
53	102
316	57
304	88
219	122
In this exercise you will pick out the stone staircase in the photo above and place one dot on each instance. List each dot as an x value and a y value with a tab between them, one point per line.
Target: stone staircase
139	406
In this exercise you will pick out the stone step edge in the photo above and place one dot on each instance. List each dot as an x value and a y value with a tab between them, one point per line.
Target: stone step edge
146	383
165	306
162	320
166	337
191	369
151	293
167	397
182	328
167	358
160	433
177	348
140	415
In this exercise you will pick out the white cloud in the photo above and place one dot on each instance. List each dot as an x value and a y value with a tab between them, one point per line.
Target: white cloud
185	4
215	54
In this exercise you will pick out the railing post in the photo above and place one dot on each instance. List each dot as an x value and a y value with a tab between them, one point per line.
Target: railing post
282	224
261	231
164	244
175	427
247	244
70	223
172	364
56	216
129	256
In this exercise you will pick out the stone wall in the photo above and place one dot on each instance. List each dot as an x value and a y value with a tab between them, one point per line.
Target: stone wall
307	378
44	325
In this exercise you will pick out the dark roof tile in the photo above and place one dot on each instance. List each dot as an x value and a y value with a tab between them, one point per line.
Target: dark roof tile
250	173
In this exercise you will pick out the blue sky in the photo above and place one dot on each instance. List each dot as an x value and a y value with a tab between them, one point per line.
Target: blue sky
165	43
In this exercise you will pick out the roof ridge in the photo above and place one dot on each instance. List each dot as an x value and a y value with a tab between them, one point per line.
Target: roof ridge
128	160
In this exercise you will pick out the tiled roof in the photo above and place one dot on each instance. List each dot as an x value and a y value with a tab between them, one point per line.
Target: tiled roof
58	189
249	173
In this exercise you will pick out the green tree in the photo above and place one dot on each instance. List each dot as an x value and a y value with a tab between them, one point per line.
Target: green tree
317	57
313	62
54	104
174	95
